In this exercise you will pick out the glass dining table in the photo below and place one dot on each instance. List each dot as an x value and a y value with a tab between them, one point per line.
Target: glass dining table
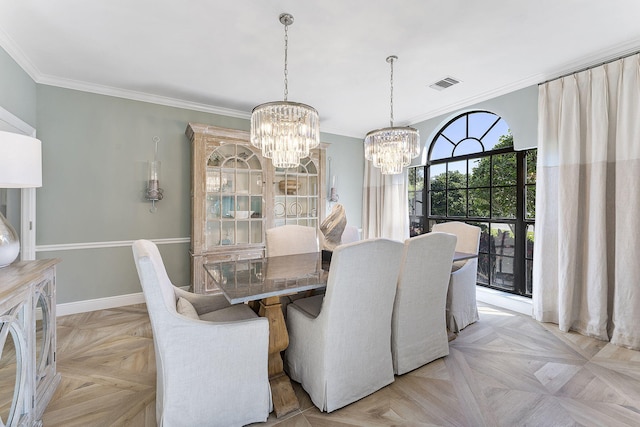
261	282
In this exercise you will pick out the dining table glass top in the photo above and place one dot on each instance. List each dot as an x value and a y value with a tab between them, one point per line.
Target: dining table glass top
253	279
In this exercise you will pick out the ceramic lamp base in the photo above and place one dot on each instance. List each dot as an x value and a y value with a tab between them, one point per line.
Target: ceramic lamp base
9	243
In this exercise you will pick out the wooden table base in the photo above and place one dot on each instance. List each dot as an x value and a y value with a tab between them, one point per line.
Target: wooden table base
282	394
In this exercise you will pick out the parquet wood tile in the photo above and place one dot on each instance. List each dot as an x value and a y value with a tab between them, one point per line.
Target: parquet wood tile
505	370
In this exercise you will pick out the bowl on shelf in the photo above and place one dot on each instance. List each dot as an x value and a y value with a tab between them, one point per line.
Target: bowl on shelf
289	186
240	214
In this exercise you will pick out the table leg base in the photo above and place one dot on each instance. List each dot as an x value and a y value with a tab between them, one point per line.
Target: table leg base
283	396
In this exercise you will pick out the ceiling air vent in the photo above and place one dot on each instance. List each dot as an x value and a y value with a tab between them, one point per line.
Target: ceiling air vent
444	83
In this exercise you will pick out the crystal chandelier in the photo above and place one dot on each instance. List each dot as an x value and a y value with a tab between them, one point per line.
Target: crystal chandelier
392	148
285	131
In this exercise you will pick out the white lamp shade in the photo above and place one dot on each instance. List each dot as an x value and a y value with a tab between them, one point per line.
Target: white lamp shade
20	161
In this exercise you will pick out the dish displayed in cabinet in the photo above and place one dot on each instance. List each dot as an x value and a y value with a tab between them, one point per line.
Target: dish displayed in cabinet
278	209
295	209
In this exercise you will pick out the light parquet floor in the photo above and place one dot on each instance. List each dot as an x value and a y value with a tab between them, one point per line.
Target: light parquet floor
505	370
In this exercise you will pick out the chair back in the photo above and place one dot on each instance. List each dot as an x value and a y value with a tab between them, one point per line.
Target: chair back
356	312
418	328
350	234
197	381
468	235
158	291
291	239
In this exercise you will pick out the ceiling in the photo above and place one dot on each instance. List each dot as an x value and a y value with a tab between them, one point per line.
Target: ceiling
228	56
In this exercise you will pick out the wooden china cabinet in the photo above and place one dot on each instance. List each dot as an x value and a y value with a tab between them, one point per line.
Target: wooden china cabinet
236	194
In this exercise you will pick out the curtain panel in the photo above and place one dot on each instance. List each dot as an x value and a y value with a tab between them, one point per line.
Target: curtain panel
385	205
586	274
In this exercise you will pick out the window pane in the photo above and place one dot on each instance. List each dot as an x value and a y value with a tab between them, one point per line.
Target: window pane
484	269
419	177
456	130
479	202
529	277
504	240
530	196
498	137
412	203
419	203
530	240
503	277
467	146
438	177
457	174
532	158
416	226
438	203
457	203
504	169
411	172
479	172
480	122
504	202
441	149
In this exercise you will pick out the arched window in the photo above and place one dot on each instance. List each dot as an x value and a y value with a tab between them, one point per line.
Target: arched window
474	175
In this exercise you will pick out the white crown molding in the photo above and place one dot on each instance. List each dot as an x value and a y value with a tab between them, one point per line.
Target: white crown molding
16	53
140	96
101	245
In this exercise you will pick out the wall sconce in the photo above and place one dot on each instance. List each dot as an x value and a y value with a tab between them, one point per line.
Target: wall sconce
333	194
154	193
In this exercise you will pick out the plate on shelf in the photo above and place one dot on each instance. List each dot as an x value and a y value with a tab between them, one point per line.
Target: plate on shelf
295	209
278	209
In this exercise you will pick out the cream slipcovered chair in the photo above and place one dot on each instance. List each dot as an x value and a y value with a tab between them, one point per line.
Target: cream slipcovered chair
462	308
350	234
340	343
211	361
418	326
291	239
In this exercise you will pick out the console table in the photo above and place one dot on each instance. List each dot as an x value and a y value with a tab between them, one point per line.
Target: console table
28	376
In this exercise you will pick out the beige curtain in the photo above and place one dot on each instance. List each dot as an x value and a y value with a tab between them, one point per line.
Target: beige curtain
385	205
586	274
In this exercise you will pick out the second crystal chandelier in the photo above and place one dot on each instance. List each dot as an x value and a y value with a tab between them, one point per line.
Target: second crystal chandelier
285	131
392	148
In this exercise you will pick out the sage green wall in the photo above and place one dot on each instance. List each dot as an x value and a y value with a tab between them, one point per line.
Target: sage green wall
345	161
17	90
95	154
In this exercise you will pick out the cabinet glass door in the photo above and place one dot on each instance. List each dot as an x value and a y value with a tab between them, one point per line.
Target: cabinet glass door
296	195
234	199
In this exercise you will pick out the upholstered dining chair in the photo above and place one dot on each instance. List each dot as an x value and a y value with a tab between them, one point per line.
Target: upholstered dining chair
350	234
291	239
211	357
340	342
462	308
418	325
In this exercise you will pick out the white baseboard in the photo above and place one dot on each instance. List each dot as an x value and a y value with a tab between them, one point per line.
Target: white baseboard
98	304
101	303
505	300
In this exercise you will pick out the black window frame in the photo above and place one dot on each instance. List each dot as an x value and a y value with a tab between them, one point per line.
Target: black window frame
421	218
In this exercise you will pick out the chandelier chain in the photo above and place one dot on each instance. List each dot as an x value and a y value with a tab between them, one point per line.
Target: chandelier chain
286	62
390	60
